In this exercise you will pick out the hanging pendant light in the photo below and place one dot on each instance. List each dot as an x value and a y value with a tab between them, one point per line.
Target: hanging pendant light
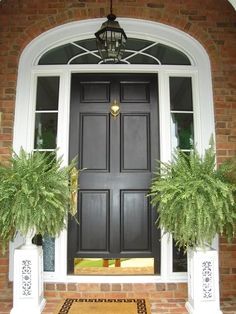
111	39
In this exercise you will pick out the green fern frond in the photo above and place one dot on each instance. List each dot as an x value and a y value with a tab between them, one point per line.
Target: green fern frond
34	193
193	201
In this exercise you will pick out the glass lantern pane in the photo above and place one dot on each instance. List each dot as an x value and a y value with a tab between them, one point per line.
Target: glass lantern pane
179	259
48	253
45	131
47	93
181	94
182	130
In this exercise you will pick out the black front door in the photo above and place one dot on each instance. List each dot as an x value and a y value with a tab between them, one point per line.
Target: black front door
118	155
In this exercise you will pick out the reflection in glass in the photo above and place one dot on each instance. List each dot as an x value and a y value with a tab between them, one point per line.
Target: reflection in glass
48	253
47	93
114	266
181	94
182	133
45	131
179	259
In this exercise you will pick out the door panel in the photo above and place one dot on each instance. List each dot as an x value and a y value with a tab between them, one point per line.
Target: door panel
94	220
135	142
134	92
118	154
94	92
135	221
94	141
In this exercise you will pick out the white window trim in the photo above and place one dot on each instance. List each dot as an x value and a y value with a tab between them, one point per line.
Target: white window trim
25	111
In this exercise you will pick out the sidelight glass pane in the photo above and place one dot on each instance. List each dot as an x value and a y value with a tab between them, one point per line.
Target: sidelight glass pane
179	259
47	93
182	130
48	253
181	94
45	131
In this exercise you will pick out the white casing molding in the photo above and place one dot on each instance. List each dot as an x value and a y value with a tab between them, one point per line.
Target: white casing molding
200	71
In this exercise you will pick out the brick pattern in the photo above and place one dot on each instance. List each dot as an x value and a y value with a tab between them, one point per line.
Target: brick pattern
5	286
212	24
163	298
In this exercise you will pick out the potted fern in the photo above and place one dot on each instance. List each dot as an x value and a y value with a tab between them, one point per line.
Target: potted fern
195	202
35	198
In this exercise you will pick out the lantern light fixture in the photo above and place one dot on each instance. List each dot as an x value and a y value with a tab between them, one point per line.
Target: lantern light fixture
111	39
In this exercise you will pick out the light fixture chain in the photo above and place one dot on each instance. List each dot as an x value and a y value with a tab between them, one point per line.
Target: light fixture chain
111	7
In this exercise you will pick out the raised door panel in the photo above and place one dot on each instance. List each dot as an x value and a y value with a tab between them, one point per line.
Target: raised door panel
94	221
134	92
94	92
94	142
135	218
135	142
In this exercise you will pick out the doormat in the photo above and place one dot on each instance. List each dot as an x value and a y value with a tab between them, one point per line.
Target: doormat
104	306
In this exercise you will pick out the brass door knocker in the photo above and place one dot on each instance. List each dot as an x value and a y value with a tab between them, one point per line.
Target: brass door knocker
115	109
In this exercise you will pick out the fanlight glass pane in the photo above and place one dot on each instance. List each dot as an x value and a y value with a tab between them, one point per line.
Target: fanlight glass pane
157	54
137	44
168	55
89	44
86	59
60	55
142	59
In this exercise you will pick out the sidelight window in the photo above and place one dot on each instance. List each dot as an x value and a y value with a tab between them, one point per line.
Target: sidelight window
45	140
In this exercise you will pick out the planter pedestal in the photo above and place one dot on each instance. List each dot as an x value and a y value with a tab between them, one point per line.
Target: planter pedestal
203	282
28	280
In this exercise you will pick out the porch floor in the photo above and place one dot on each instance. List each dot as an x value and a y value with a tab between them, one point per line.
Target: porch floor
163	306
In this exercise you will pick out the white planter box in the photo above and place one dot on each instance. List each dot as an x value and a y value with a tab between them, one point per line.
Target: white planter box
203	282
28	281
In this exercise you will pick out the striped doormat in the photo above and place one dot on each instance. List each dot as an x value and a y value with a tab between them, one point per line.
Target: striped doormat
104	306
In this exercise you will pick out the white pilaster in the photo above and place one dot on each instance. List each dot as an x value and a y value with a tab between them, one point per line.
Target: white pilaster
28	281
203	282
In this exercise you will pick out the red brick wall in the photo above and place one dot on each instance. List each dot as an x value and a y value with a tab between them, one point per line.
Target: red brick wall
211	22
163	298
